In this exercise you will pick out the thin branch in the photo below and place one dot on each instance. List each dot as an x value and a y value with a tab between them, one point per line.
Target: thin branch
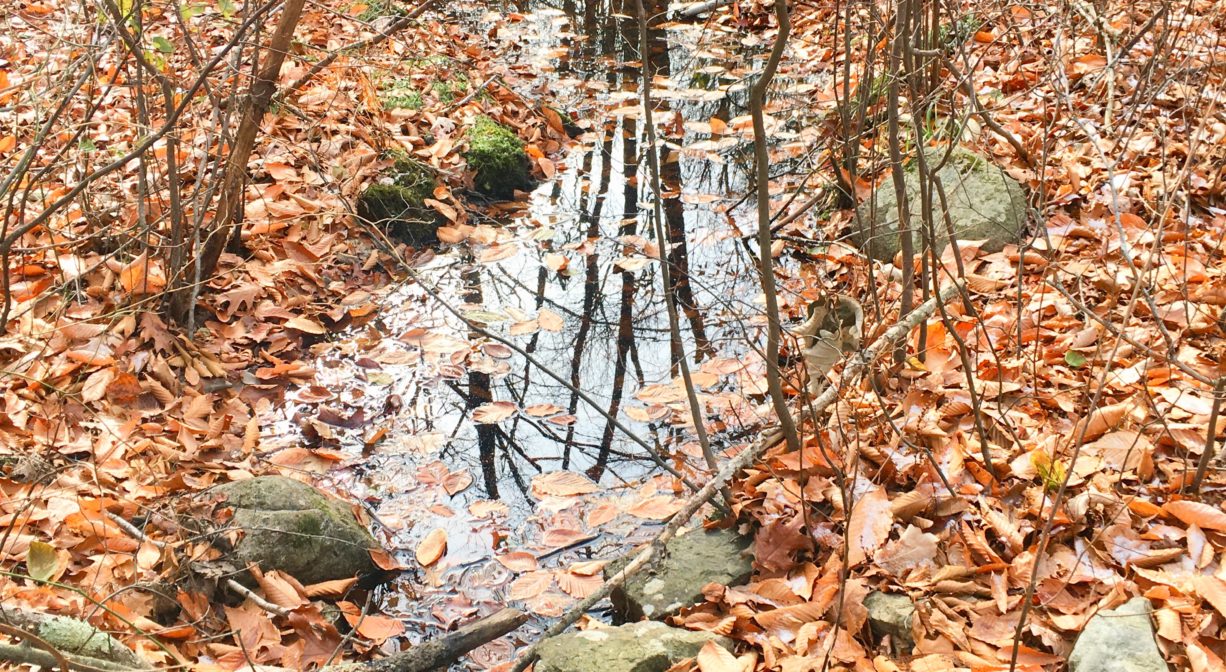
757	103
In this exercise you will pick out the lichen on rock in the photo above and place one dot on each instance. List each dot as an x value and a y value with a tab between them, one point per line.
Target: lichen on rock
497	158
397	201
647	646
292	527
983	204
691	561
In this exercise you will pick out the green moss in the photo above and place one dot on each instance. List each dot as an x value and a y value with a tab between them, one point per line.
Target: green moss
447	90
401	96
497	159
398	202
379	8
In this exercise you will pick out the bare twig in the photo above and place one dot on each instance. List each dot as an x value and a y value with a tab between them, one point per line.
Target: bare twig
757	104
670	300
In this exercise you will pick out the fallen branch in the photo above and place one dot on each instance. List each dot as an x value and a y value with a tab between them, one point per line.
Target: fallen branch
855	368
439	653
80	644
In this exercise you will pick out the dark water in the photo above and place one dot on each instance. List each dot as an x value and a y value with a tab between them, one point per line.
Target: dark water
413	375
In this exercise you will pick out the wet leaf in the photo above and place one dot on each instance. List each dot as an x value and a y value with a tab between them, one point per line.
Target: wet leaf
432	547
517	561
562	484
493	413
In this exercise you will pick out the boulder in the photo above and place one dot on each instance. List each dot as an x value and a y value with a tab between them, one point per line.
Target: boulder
497	158
691	561
293	527
398	202
891	614
647	646
984	204
1118	640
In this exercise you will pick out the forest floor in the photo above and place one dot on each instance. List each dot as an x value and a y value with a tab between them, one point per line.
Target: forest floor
414	380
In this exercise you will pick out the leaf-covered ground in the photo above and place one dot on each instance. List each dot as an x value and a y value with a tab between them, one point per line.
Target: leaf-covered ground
1094	348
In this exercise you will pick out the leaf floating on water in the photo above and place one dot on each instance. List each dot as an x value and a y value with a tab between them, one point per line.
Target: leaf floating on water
530	585
562	537
432	547
486	508
543	410
659	507
457	482
517	561
493	413
550	321
562	484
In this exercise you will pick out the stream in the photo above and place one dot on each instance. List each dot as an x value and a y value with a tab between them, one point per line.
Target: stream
569	278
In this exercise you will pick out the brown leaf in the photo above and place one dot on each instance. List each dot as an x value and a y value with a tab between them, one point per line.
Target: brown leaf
377	629
1203	516
492	413
869	526
715	658
432	547
457	481
530	585
517	561
562	484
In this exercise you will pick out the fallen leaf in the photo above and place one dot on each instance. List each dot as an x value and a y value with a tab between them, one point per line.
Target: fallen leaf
432	547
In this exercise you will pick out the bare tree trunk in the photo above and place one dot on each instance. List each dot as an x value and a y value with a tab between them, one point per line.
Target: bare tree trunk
182	299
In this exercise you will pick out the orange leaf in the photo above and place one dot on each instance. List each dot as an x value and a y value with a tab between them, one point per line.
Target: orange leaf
432	547
492	413
1194	513
377	629
530	585
517	561
869	526
715	658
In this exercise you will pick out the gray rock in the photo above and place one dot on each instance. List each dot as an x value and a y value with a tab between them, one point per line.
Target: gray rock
984	204
647	646
692	561
293	527
891	614
1118	640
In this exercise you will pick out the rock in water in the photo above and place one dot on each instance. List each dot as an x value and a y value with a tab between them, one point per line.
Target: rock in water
984	204
891	614
1118	640
647	646
293	527
691	561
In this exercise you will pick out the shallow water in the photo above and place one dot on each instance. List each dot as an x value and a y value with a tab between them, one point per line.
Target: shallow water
599	321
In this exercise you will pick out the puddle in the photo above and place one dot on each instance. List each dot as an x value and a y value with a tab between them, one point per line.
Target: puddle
569	279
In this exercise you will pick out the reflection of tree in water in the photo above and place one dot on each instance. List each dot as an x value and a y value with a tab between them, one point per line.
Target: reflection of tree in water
611	330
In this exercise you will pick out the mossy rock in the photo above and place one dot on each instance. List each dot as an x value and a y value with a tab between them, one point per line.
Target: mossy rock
639	647
397	202
984	204
691	561
497	158
292	527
